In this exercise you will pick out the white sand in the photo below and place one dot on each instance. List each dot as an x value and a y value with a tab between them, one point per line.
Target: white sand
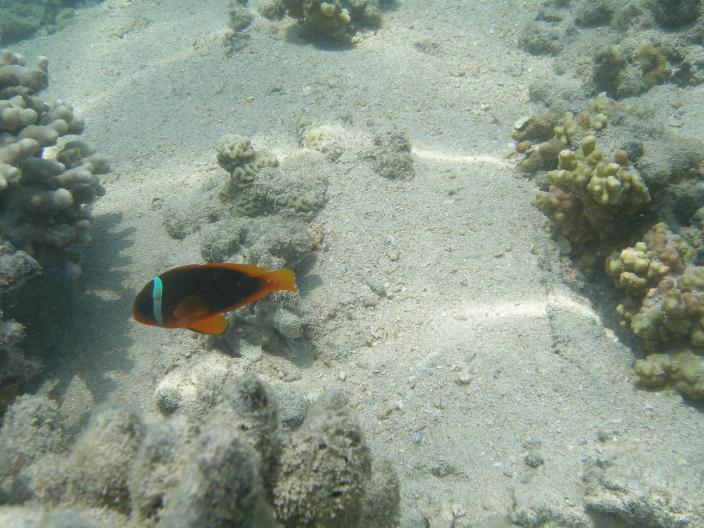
481	354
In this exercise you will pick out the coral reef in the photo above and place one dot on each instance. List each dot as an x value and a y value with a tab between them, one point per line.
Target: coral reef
16	268
665	301
673	14
650	43
21	19
253	190
226	465
239	20
664	305
335	19
633	67
679	369
44	200
592	197
259	216
541	138
540	38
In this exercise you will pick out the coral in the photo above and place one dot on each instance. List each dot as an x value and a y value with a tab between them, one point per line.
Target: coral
675	13
335	19
326	18
325	467
679	369
194	390
607	70
44	200
641	267
100	460
541	138
636	65
604	197
252	190
594	13
32	427
219	484
535	129
16	268
226	467
20	20
237	34
391	155
271	9
256	188
672	310
538	38
250	407
382	502
653	64
665	290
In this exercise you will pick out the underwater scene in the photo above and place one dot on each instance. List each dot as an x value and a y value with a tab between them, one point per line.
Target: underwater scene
352	263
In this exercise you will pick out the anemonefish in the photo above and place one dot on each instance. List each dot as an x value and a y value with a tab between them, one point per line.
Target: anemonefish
198	295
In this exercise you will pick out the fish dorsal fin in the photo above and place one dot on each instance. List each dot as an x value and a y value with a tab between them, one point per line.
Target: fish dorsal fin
191	307
215	324
247	269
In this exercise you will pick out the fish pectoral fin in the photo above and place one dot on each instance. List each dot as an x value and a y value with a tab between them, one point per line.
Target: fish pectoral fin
191	307
213	325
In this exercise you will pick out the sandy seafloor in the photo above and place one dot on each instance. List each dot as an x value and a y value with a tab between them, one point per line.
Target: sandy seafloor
479	354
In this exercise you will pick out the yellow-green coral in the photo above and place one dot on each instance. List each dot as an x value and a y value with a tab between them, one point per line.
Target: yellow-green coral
591	197
653	64
327	18
665	291
682	370
638	268
674	310
542	137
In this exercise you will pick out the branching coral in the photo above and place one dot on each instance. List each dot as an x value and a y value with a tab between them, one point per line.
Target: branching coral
664	305
591	197
681	369
44	200
335	19
541	138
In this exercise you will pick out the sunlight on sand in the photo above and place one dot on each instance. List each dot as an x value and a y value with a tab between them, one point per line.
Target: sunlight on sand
464	160
500	310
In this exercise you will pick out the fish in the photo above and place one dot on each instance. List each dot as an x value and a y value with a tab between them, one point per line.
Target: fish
197	296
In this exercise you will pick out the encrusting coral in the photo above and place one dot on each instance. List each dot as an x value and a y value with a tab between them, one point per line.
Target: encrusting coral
227	466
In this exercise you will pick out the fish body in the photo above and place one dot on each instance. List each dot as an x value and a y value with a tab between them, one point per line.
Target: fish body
198	295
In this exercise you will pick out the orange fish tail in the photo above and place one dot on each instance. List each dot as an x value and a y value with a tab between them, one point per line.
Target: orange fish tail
281	279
